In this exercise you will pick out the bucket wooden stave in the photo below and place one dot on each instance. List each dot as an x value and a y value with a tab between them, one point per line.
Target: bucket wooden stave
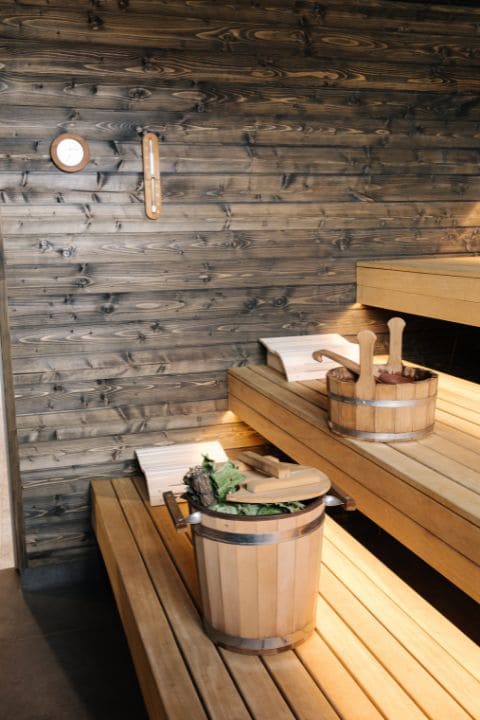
259	578
403	411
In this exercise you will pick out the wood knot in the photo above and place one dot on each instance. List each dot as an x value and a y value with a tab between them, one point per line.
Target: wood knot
250	304
68	252
95	22
108	308
44	245
138	93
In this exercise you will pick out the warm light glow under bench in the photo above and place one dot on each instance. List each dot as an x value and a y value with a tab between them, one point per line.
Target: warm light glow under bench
446	288
426	493
379	651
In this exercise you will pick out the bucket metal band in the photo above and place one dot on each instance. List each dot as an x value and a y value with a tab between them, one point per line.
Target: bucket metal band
414	402
258	645
232	538
381	437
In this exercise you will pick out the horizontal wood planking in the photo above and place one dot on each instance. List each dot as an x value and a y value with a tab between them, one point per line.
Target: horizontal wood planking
295	139
24	163
130	337
259	244
87	451
356	75
91	218
240	35
132	363
408	111
380	15
121	420
306	187
449	53
56	497
119	392
159	306
216	98
104	277
448	289
247	130
426	509
11	512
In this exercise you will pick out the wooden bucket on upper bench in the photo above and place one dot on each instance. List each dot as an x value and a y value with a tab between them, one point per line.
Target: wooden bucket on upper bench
405	411
259	578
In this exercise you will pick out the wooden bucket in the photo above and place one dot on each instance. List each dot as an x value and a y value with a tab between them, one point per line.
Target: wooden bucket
405	411
259	578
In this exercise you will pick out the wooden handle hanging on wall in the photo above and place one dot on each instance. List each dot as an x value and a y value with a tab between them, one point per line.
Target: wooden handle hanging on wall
151	175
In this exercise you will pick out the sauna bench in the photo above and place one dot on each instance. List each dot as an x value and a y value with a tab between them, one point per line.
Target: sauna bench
379	650
426	493
446	288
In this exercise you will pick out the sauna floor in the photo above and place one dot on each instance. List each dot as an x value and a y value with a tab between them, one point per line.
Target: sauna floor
63	653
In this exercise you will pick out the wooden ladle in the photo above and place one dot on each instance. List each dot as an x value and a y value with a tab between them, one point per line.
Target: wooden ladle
395	366
351	365
365	385
341	359
379	372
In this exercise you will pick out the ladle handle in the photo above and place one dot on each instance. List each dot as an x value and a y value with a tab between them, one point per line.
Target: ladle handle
394	364
337	496
180	522
365	385
346	362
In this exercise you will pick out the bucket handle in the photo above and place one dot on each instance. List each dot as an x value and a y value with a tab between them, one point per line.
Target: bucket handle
180	522
337	496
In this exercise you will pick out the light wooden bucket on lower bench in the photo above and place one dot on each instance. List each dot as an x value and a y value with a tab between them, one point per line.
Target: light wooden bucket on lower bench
405	411
259	578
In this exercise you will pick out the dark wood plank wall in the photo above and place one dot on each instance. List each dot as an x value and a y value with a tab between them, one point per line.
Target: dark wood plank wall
296	137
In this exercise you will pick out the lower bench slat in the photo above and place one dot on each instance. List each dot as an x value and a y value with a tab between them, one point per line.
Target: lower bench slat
379	650
201	657
166	685
407	653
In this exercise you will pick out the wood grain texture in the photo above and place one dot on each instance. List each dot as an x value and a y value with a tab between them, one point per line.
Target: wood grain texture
115	189
367	620
424	496
7	552
24	162
378	15
12	513
259	244
295	139
445	288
